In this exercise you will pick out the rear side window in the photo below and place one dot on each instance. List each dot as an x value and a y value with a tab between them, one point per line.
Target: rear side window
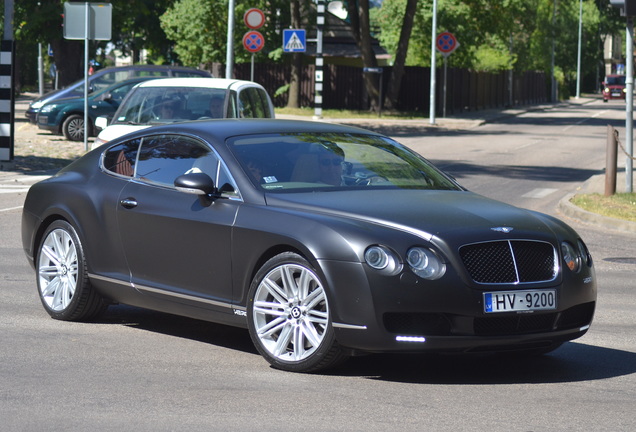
254	103
121	159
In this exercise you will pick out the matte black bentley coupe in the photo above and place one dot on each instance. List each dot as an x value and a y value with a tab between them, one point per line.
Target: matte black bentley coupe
322	240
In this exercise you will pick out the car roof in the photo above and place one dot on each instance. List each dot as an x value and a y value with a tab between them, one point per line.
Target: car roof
219	130
220	83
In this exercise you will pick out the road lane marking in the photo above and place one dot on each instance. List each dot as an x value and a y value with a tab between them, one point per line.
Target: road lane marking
585	119
10	208
539	193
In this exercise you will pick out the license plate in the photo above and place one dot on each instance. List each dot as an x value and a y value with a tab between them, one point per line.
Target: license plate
519	301
616	94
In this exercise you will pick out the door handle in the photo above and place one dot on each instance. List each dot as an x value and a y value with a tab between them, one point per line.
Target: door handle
128	203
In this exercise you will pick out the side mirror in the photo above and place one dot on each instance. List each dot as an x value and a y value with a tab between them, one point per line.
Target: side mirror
101	122
197	183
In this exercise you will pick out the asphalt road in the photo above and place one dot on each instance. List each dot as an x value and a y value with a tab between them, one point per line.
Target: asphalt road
144	371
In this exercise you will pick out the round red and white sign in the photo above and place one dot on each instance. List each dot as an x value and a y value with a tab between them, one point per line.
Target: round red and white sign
446	43
254	18
253	41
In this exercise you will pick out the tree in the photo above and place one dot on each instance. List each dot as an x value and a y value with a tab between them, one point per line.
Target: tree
401	51
199	30
293	99
358	13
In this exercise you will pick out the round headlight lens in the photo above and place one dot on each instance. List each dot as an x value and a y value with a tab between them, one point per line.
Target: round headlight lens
571	257
425	263
377	257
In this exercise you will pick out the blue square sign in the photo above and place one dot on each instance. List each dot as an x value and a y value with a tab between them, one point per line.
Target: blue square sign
294	40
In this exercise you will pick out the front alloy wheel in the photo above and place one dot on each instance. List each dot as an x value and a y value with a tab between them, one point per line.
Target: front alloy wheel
73	127
288	316
63	284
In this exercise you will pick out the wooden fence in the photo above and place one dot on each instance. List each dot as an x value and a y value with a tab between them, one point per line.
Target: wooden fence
465	90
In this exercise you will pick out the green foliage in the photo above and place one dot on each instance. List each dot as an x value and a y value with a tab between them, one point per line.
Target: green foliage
194	27
506	34
199	30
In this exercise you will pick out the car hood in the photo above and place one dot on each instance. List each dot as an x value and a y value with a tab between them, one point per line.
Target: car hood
426	214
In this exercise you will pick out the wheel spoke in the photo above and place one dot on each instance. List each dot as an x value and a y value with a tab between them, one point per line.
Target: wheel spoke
51	255
271	328
310	334
314	299
275	290
283	341
289	283
269	308
51	287
48	272
318	317
299	343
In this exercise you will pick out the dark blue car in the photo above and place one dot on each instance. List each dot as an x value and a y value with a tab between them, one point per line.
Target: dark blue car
66	116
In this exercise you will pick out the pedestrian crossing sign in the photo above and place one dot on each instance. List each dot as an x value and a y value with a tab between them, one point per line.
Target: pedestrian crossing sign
294	40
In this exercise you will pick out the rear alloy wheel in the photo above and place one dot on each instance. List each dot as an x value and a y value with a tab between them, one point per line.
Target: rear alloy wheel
62	280
73	128
288	316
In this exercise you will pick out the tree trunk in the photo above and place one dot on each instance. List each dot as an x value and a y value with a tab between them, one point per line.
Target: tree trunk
395	81
293	95
69	60
361	29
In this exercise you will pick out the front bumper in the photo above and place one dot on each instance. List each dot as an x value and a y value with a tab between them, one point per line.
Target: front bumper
32	115
402	313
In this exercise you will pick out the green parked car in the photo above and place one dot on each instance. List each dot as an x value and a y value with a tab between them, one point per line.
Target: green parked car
66	116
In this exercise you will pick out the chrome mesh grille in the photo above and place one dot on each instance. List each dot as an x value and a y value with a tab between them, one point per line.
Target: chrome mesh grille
510	261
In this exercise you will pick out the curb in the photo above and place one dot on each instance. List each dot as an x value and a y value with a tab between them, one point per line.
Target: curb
574	212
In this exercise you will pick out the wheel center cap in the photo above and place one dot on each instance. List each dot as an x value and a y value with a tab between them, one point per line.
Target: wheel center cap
63	270
295	312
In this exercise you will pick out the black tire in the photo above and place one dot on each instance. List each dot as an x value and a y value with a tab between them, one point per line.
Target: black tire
287	304
73	127
62	280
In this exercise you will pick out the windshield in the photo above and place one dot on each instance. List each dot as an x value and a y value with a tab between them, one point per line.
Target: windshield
306	162
155	105
615	80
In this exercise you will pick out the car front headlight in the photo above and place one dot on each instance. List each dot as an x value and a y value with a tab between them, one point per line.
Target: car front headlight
425	263
47	108
585	253
37	105
382	258
571	257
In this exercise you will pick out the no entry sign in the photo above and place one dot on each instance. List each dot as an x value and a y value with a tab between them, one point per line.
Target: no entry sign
446	43
253	41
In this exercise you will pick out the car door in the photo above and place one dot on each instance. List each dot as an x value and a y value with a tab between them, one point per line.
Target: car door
177	247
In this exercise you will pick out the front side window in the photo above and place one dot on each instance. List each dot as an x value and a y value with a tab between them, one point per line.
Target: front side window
163	158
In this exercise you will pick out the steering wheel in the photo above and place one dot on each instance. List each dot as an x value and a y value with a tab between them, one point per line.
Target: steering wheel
371	180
